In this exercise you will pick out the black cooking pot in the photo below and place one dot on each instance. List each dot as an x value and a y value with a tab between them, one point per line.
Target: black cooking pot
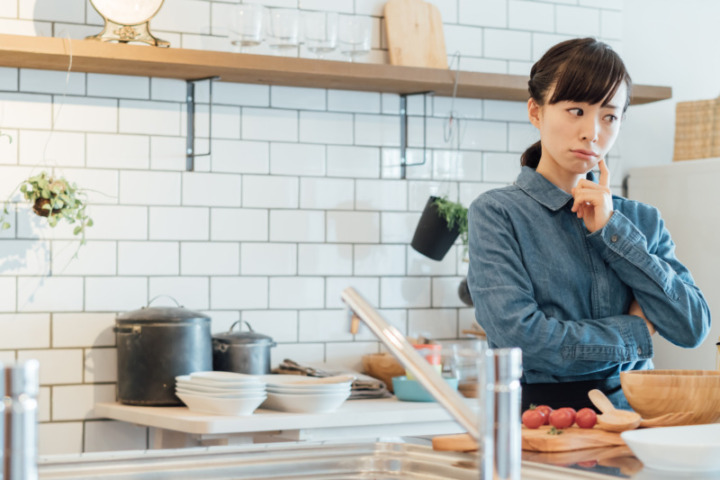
156	344
242	352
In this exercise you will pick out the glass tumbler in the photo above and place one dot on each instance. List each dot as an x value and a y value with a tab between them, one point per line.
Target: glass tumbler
320	32
246	26
283	29
354	35
460	360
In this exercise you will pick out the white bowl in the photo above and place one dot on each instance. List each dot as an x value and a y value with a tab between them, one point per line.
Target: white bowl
311	403
221	406
230	394
692	448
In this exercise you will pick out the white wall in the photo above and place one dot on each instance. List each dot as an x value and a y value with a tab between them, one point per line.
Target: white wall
300	198
675	43
669	43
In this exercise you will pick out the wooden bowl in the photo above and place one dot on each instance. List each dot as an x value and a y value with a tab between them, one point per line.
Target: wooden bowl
382	366
652	393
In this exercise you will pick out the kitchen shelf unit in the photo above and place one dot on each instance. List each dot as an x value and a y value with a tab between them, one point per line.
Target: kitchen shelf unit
91	56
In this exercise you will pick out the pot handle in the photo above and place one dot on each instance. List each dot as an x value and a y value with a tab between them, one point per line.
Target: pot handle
240	321
167	296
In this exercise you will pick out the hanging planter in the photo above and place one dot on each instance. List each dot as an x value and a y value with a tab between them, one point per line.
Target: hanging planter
56	199
464	292
440	224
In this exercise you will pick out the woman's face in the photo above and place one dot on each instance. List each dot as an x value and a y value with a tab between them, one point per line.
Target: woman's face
576	135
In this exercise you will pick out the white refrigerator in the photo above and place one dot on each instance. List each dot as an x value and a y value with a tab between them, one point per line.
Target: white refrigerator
687	193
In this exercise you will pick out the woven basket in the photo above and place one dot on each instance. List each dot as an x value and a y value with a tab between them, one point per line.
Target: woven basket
697	129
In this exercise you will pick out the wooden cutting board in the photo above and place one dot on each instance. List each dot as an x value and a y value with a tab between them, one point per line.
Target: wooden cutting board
573	438
415	34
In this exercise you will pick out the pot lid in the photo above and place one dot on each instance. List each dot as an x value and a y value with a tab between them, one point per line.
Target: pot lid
149	314
243	338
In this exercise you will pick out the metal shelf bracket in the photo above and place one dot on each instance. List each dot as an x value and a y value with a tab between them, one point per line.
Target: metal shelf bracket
404	132
190	104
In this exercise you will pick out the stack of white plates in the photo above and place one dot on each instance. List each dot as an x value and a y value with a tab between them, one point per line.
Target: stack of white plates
221	393
294	393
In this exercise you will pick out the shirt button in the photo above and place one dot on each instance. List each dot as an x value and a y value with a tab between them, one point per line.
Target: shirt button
614	238
639	351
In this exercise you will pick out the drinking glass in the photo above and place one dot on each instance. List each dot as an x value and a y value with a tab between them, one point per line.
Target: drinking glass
283	29
354	35
246	26
320	30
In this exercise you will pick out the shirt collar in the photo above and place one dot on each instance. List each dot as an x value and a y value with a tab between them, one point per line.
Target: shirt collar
542	190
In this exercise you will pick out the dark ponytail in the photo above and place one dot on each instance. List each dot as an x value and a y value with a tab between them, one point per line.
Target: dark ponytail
579	70
531	157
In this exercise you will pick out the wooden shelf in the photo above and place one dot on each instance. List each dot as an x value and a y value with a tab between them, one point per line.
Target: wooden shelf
90	56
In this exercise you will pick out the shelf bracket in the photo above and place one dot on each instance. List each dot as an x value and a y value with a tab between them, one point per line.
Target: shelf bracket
404	132
190	104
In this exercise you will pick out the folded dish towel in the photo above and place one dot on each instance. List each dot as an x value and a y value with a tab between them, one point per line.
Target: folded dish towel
364	386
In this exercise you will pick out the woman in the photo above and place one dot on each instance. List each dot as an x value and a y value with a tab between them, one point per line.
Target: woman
577	278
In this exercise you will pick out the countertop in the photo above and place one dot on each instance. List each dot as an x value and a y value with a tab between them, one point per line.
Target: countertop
173	427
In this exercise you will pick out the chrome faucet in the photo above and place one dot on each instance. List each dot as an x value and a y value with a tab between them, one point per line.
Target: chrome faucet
395	341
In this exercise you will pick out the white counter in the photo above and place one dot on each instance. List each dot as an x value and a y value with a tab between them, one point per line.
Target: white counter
173	427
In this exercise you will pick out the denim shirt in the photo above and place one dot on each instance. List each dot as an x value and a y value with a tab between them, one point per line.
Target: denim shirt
542	282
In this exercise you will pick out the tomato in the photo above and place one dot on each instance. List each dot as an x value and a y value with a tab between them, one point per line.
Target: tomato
561	418
586	418
571	411
546	411
532	418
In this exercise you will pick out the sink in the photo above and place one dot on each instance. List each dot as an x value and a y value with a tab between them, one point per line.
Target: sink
379	461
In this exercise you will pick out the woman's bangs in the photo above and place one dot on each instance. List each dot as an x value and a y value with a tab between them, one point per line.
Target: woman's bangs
591	77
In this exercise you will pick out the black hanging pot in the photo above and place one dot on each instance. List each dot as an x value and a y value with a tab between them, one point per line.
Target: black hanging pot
156	344
432	236
242	352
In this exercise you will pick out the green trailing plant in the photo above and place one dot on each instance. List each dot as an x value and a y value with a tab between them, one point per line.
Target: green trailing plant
54	198
454	214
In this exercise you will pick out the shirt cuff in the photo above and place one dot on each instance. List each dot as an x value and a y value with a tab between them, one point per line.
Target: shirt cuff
616	239
640	336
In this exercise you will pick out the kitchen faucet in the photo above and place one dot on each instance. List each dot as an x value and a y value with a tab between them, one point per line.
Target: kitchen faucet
360	309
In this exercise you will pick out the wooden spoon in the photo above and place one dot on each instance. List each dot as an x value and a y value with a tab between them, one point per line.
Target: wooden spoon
668	420
612	419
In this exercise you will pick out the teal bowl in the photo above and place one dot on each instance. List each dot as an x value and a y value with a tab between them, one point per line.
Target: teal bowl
412	391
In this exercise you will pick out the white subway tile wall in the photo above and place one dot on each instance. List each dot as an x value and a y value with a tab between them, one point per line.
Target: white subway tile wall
300	198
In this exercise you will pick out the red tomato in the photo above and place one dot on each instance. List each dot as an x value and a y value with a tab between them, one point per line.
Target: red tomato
571	411
586	418
532	418
561	418
546	411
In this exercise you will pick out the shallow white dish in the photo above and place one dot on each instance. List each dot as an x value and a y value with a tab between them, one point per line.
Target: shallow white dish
229	394
221	406
309	390
208	382
691	448
301	380
311	403
225	377
229	389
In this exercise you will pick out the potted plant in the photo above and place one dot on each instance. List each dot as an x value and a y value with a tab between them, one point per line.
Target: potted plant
56	199
440	224
442	221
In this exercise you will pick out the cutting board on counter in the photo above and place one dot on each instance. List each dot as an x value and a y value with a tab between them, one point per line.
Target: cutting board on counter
415	34
573	438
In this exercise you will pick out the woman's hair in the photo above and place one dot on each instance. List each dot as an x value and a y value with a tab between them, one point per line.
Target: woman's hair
581	70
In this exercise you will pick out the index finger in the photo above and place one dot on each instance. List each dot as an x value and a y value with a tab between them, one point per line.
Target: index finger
604	174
